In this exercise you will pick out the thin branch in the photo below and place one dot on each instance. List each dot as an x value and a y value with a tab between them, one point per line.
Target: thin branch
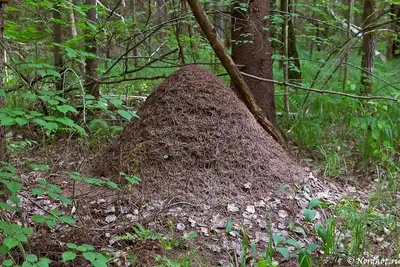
370	98
151	62
131	79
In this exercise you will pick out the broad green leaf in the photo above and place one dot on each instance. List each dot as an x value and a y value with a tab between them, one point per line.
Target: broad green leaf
309	215
65	108
31	258
21	121
27	231
99	263
85	247
90	256
112	185
55	212
8	263
116	102
35	113
21	238
277	239
7	206
14	187
53	73
65	200
67	219
14	199
29	95
293	242
39	218
38	191
11	242
314	203
4	249
68	256
284	252
43	262
125	114
7	121
71	245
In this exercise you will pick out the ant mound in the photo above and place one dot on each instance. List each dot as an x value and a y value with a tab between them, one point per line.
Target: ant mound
197	142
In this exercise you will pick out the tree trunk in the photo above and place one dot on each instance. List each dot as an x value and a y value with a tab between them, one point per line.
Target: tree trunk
133	9
161	16
227	31
71	20
2	128
348	45
393	49
293	61
236	78
251	48
91	47
369	46
57	32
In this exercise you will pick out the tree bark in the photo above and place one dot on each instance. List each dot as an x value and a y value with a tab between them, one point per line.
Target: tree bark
71	20
292	59
91	47
393	49
251	48
236	78
2	128
57	32
369	46
348	45
133	8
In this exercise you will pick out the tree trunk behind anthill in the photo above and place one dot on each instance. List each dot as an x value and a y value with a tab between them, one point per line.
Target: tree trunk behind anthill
252	50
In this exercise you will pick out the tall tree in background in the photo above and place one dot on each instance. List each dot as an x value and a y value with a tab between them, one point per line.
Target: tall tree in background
91	47
289	39
369	46
57	32
348	45
393	50
252	50
2	72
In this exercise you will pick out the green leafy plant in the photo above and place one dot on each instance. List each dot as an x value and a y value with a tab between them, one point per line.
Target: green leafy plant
97	259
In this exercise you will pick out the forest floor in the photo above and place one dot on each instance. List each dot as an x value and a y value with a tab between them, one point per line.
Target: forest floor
103	214
195	213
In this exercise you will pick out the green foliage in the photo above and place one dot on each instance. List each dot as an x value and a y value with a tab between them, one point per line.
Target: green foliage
15	236
141	233
97	259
